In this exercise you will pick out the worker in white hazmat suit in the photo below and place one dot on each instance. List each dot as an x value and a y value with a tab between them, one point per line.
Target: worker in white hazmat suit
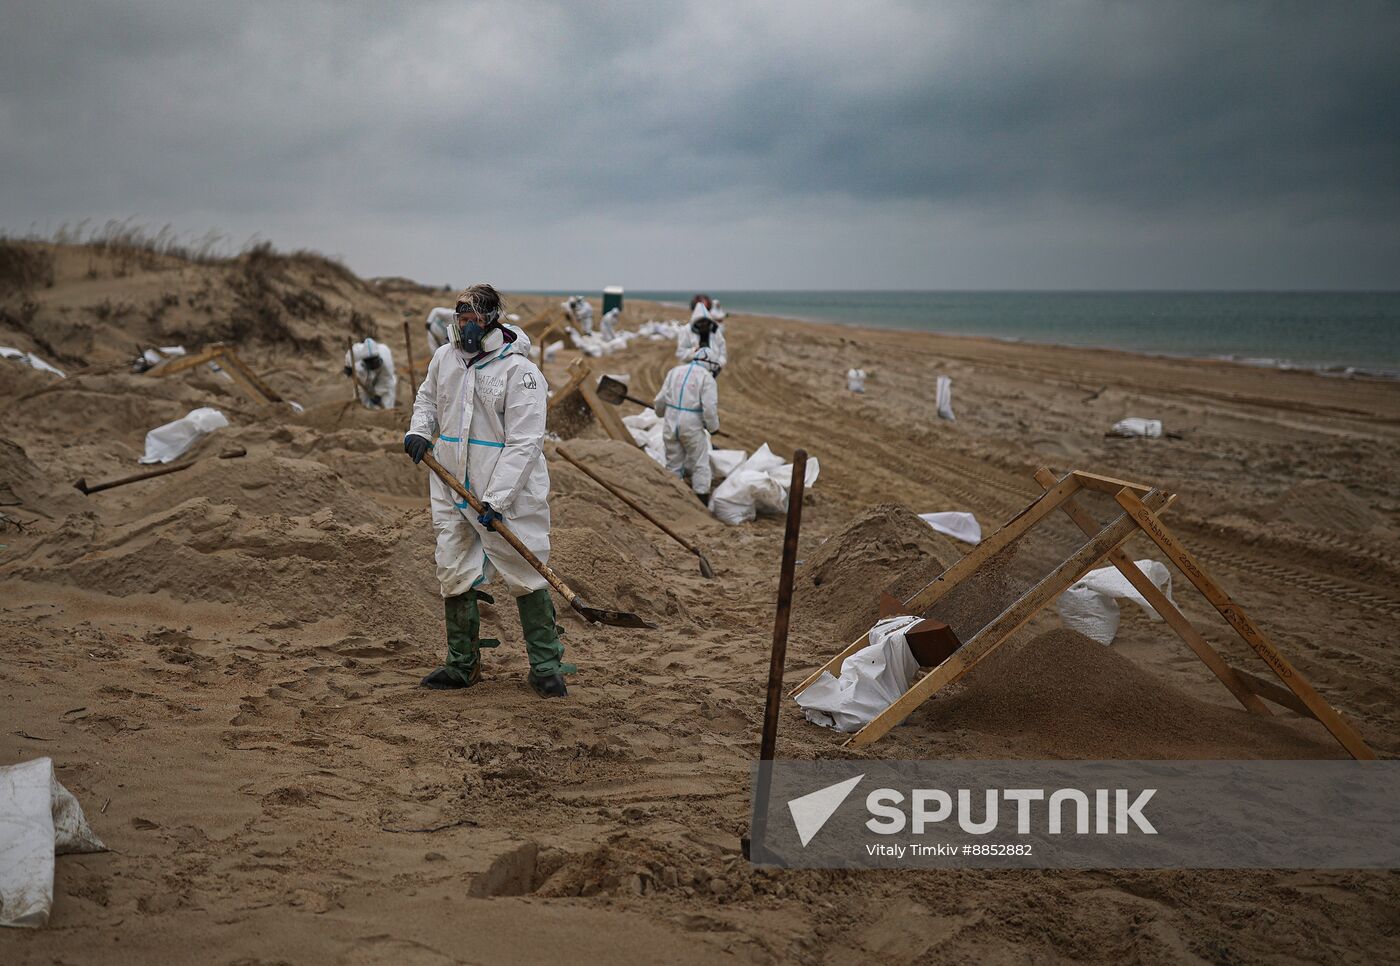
704	333
481	409
371	364
609	323
580	314
689	403
438	321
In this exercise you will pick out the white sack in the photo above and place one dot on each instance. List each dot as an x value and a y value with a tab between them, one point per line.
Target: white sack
38	818
1090	606
855	380
758	485
1137	426
723	462
956	524
168	442
648	432
871	680
29	359
943	395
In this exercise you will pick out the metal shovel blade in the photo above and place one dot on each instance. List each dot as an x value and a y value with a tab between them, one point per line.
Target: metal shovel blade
706	570
612	391
613	618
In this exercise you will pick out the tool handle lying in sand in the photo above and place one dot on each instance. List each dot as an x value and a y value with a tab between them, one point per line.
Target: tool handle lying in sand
705	568
615	618
227	454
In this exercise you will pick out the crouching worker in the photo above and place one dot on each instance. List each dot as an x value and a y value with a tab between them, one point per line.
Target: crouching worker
689	402
485	402
371	365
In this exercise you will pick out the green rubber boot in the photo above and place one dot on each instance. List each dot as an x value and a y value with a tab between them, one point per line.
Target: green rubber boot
464	643
542	644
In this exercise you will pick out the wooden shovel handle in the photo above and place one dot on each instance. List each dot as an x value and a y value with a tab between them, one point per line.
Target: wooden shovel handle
626	499
500	527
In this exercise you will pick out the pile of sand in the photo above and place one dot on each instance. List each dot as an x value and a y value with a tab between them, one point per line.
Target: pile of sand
25	489
264	485
605	573
886	548
1324	505
313	567
1062	696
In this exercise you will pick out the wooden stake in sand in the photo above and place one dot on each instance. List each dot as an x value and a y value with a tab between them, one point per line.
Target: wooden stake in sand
412	374
769	739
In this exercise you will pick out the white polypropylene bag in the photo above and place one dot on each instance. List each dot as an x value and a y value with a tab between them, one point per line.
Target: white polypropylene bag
38	818
956	524
725	461
29	359
1090	606
943	395
872	679
169	442
1137	426
758	485
648	432
855	380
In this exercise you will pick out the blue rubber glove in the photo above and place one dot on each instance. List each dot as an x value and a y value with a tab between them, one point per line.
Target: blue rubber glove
488	516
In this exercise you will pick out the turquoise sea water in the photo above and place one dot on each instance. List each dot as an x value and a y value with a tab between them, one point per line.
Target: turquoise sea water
1333	331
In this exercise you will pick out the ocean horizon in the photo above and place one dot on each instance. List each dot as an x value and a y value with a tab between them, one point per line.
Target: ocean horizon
1347	333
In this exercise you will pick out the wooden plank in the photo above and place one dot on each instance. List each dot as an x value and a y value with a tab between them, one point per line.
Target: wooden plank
1168	611
169	367
1346	735
578	373
994	634
1279	695
939	587
1107	484
237	366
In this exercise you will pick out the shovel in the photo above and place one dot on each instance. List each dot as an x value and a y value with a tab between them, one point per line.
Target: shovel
706	570
614	618
82	484
614	391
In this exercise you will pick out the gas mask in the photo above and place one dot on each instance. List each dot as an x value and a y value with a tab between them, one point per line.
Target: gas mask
468	337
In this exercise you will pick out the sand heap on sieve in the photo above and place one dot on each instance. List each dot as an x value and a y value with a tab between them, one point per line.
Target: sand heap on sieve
1060	695
886	548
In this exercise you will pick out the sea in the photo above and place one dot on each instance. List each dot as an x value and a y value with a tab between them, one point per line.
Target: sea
1344	333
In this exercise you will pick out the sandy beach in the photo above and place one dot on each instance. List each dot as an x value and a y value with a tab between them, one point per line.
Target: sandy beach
223	662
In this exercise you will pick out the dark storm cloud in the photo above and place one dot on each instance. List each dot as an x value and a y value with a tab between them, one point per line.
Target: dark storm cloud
736	144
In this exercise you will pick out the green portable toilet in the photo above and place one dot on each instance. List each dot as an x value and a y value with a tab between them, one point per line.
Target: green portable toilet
612	298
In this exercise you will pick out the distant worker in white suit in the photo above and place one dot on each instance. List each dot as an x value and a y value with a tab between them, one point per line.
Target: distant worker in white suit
704	333
689	403
481	410
438	321
580	314
609	323
371	364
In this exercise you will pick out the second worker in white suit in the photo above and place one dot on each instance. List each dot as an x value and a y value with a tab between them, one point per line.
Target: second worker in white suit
689	403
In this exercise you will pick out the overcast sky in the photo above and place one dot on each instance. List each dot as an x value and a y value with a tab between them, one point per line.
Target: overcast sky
719	145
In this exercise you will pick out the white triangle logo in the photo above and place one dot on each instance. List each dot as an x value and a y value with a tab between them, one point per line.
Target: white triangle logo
811	811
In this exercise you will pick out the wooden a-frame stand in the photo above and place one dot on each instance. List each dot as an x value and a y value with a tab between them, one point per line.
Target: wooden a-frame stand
1141	507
